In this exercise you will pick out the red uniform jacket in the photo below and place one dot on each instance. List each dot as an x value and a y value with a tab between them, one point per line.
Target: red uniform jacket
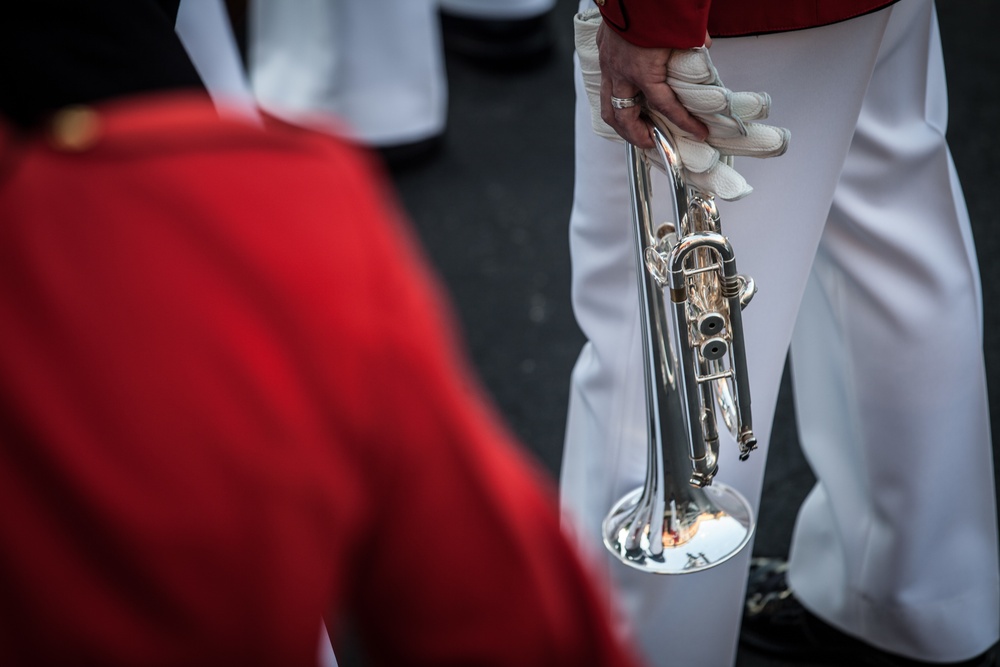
230	403
682	23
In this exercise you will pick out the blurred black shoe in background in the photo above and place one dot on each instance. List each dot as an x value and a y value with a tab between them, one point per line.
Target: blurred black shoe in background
403	157
499	43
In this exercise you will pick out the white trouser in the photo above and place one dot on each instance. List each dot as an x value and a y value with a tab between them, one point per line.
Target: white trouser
864	216
204	29
376	64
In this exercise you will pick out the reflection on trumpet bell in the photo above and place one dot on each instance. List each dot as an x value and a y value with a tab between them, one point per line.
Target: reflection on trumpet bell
696	532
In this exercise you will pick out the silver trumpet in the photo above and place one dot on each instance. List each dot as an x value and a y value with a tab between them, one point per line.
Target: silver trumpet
695	371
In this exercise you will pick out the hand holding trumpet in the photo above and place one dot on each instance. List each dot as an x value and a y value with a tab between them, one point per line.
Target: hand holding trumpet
682	89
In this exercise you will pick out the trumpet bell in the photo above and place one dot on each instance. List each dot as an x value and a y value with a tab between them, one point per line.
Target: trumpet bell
700	530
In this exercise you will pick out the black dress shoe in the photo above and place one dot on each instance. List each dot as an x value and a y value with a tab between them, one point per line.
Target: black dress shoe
776	623
498	43
403	157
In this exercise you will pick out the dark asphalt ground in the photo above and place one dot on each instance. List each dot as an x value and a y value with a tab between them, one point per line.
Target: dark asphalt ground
492	208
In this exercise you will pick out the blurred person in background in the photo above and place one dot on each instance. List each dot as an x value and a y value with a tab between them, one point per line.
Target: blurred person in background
232	402
379	64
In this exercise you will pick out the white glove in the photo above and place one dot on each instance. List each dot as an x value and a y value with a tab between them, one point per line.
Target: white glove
694	79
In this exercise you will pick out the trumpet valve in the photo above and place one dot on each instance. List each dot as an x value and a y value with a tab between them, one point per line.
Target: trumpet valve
714	348
711	324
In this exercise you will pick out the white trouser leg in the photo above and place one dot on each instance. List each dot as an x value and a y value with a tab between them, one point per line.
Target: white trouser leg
325	656
693	619
498	9
897	543
204	28
376	64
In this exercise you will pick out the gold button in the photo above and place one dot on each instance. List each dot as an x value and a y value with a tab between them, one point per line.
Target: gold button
600	3
75	128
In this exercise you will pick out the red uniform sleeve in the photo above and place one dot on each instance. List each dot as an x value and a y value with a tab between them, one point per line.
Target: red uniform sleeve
678	24
682	24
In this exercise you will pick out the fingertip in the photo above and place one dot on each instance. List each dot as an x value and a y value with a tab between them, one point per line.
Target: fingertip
642	139
647	136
